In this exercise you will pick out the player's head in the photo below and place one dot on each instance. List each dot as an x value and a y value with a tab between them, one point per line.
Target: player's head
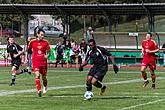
83	41
10	39
29	39
148	36
90	28
40	34
92	44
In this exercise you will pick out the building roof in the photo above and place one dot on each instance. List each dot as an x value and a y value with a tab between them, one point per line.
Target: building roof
84	9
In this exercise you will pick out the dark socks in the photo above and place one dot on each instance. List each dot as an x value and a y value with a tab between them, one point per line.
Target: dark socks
13	77
98	85
89	87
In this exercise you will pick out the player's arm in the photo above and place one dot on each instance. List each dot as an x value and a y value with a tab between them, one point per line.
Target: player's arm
155	50
47	51
111	57
6	55
85	62
152	51
29	48
20	51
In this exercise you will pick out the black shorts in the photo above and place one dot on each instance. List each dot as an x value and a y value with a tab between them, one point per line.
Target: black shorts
59	57
98	72
16	63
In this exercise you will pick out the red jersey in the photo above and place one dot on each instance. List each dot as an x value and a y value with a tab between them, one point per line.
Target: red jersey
150	45
39	49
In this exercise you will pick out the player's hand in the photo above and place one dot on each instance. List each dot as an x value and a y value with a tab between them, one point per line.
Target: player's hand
46	56
26	61
115	68
148	51
80	68
3	55
15	55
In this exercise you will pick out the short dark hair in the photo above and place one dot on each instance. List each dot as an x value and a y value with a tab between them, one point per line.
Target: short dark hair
10	36
40	30
150	33
92	40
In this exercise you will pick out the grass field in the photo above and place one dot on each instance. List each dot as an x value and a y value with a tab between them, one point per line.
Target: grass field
66	89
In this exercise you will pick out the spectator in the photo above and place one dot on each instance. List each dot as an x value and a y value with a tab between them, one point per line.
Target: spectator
83	50
163	47
59	48
89	34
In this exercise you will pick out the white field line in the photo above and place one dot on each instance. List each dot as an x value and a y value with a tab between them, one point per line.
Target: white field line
60	71
139	105
4	93
64	96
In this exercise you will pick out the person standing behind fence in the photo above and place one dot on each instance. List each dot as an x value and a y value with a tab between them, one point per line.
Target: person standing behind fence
40	52
83	50
59	48
163	47
149	48
29	55
89	34
15	52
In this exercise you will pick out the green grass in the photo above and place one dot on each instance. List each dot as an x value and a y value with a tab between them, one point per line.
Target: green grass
66	89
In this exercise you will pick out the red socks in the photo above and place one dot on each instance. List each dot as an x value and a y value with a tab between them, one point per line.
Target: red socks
38	84
144	75
153	78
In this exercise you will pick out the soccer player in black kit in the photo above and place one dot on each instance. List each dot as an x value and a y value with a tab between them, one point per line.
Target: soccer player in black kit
98	56
15	52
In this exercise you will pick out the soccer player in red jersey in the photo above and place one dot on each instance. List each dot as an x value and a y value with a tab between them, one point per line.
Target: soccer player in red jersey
40	52
149	48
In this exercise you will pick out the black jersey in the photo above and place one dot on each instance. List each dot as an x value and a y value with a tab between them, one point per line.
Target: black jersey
98	57
59	49
14	49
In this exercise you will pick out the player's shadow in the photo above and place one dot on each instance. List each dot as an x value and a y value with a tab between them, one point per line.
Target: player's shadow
3	83
65	95
20	84
116	97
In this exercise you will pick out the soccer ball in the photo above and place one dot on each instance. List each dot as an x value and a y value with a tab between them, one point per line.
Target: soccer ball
88	95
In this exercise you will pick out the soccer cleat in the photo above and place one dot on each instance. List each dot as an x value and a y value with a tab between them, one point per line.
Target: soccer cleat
29	71
12	84
153	86
102	91
39	93
45	89
145	83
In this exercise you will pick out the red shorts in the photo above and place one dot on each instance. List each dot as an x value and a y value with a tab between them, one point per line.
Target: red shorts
149	61
40	67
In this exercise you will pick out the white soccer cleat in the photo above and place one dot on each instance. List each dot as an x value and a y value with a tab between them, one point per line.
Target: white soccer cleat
45	89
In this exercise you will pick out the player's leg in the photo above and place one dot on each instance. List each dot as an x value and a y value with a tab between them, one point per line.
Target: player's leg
30	62
38	84
88	83
21	71
62	62
144	65
13	77
17	63
97	79
152	71
88	87
89	79
144	75
44	79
